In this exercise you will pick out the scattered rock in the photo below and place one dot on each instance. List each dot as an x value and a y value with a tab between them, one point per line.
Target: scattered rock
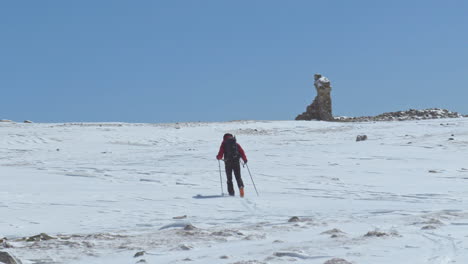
224	257
187	259
185	247
337	261
255	237
5	121
376	234
40	237
291	254
142	261
335	233
28	121
249	262
294	219
4	243
139	254
433	171
7	258
180	217
361	137
412	114
432	221
428	227
451	139
321	107
189	227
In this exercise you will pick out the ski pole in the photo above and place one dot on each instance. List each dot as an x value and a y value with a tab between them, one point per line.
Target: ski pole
220	178
252	179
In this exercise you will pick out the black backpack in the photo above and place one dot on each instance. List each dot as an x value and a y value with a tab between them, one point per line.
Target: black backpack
230	149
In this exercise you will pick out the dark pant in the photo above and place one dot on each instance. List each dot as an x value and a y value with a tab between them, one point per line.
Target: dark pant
231	166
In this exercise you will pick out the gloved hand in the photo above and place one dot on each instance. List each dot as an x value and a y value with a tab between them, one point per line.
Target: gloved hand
245	161
218	158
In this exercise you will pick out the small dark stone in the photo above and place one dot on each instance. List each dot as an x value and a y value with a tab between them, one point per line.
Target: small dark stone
185	247
294	219
361	138
189	227
451	139
139	254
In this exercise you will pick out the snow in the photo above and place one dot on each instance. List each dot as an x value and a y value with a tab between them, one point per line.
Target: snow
107	191
323	79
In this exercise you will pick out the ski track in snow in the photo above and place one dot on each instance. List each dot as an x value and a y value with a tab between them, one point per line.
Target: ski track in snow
106	191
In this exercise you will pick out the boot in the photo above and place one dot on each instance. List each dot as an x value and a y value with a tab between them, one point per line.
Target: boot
241	191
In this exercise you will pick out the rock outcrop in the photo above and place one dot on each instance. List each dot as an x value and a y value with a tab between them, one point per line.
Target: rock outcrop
321	107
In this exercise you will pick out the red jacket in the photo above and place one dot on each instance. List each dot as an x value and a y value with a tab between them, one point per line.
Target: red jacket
241	152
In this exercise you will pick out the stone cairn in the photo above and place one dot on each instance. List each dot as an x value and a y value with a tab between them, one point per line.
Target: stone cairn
321	107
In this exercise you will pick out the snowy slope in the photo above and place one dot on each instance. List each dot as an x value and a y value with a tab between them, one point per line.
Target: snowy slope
108	191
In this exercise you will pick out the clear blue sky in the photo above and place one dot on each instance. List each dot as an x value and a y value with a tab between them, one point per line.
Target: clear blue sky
219	60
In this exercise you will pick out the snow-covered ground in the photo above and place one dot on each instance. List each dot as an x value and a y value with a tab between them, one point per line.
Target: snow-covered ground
107	191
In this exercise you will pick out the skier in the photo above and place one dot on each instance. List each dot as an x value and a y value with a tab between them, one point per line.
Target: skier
232	152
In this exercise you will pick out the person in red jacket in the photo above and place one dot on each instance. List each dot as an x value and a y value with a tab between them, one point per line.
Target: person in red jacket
232	153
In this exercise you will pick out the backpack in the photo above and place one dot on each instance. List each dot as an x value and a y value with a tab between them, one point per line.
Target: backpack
230	149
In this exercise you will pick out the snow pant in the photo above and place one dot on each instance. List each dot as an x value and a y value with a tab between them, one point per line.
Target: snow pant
233	165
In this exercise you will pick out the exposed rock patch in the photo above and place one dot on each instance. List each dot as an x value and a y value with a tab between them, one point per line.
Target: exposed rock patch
40	237
334	233
377	233
412	114
180	217
428	227
337	261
